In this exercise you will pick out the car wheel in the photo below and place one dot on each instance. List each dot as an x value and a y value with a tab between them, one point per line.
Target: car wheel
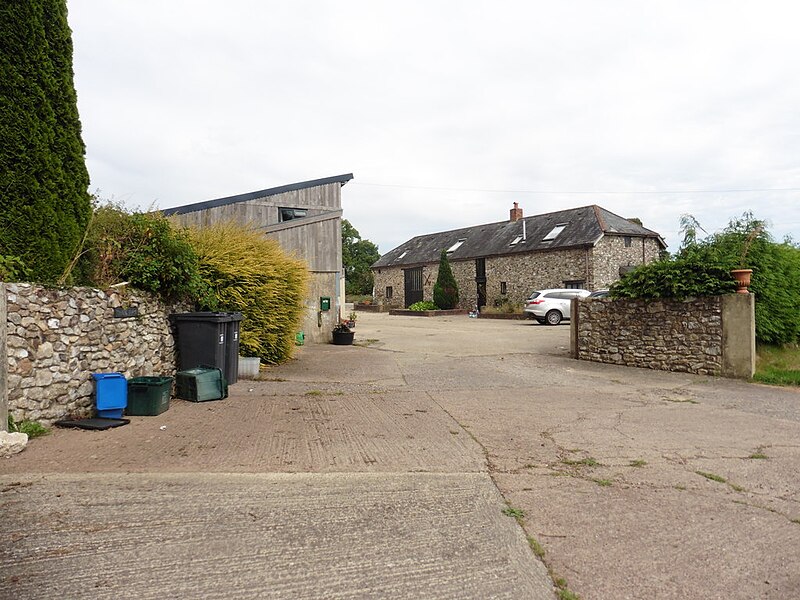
553	317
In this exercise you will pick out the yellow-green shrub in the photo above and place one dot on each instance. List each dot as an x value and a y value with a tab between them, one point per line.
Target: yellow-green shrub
249	273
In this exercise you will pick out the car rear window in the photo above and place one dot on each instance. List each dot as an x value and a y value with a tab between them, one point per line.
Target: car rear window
534	295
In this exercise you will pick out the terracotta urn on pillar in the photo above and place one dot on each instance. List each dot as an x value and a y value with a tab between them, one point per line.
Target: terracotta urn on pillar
742	277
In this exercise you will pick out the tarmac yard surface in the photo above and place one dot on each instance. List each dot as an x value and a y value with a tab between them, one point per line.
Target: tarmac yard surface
395	469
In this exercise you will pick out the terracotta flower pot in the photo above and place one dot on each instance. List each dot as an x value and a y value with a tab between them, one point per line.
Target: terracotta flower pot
742	277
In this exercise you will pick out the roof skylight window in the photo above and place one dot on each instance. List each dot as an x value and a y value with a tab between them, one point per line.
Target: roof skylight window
402	255
516	240
456	246
554	232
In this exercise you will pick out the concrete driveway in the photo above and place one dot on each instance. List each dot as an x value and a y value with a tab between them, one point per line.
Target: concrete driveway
383	470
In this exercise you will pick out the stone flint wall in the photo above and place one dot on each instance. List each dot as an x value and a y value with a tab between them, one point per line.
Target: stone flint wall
56	338
3	361
706	336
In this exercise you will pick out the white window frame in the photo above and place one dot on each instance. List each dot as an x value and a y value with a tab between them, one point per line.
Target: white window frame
555	232
456	246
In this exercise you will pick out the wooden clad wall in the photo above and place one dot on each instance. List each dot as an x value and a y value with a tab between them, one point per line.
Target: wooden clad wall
318	243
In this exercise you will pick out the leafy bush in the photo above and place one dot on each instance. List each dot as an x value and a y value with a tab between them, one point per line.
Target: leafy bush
13	269
776	285
679	278
247	272
161	259
445	290
144	249
422	305
104	248
702	268
745	243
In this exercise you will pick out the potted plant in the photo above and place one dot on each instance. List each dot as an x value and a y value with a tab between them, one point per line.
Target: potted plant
351	320
342	336
742	275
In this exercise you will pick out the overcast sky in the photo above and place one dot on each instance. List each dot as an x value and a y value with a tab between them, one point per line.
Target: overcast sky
446	112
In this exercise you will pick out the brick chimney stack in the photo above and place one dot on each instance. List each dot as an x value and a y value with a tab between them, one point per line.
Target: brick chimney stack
516	213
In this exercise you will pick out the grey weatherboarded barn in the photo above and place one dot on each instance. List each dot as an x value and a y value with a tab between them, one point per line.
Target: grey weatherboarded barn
306	220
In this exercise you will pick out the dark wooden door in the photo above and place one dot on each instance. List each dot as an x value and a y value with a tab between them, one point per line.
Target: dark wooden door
480	280
481	294
413	285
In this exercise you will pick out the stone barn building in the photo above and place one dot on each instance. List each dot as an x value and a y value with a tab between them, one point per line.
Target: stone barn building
306	220
497	263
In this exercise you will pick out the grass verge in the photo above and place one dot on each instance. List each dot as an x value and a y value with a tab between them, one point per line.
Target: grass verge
778	365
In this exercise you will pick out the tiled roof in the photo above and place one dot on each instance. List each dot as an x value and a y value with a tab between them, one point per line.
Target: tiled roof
582	226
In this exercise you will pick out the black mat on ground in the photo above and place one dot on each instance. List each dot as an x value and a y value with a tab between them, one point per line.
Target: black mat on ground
96	423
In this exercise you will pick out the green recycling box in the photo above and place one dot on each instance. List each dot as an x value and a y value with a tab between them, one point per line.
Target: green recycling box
201	384
148	396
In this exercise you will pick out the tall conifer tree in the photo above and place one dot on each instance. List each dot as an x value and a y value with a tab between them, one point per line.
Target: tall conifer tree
44	203
445	290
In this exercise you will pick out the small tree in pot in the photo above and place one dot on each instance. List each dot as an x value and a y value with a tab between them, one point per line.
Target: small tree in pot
445	290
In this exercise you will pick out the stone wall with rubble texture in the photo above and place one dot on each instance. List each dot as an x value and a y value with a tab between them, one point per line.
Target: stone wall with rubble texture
670	335
389	277
56	338
610	255
464	274
524	273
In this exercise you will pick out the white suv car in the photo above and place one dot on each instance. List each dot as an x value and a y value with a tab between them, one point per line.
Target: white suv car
552	306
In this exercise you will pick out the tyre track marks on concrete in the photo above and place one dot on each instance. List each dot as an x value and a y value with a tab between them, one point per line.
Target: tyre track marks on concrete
336	535
258	432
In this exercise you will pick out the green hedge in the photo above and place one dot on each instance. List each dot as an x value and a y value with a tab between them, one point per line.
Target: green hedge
675	278
44	204
702	268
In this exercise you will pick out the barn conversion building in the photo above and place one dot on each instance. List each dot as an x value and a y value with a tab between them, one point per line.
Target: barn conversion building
587	247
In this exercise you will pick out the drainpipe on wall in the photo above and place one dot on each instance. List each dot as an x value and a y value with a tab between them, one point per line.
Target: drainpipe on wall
586	267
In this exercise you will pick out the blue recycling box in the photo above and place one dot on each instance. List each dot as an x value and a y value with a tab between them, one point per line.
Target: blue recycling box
111	394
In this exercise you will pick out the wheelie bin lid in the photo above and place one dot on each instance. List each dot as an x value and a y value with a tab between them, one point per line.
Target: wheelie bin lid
207	317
